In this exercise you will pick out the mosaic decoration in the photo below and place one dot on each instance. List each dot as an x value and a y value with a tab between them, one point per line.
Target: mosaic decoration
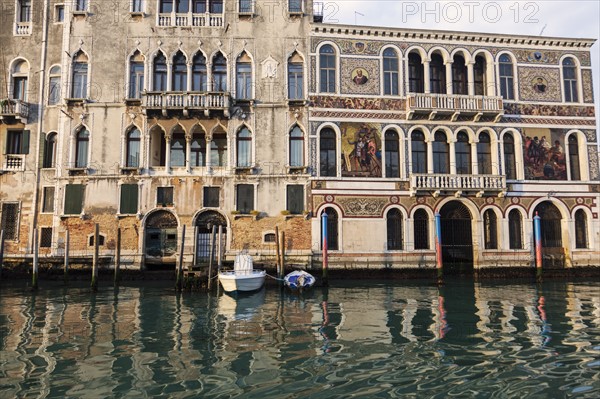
367	83
361	149
590	135
544	155
313	155
313	74
593	163
364	47
375	104
548	110
588	90
532	89
362	206
583	57
538	121
537	57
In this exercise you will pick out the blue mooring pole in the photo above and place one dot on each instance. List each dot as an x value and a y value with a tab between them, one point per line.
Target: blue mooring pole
439	264
324	240
537	234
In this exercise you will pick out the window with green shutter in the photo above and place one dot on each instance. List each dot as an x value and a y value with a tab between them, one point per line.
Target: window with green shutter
245	198
295	199
74	199
129	199
17	142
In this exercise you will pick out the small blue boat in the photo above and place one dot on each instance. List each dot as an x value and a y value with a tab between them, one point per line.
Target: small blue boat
299	280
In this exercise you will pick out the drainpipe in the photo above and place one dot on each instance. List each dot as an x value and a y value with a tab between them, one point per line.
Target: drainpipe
40	120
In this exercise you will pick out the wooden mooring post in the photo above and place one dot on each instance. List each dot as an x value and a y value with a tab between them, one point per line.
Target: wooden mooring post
94	284
211	256
278	254
220	250
34	277
117	257
1	251
179	281
66	267
282	260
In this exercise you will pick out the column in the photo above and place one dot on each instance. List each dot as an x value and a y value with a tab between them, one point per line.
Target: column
167	153
429	157
208	162
426	77
188	153
452	150
448	65
474	163
471	78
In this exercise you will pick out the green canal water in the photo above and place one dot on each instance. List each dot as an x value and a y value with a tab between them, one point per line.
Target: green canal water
365	340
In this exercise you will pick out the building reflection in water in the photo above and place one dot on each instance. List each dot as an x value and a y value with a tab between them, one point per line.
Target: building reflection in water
150	342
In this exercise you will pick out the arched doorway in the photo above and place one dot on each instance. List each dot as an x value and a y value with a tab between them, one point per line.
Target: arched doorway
161	238
204	223
457	239
553	253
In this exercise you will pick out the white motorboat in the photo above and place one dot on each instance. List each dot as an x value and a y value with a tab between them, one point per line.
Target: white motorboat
243	277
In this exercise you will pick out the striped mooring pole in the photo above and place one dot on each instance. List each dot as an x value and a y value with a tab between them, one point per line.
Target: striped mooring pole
537	234
324	238
439	264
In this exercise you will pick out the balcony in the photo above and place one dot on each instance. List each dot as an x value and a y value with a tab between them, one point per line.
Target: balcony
13	163
458	184
14	109
189	19
185	102
453	106
22	28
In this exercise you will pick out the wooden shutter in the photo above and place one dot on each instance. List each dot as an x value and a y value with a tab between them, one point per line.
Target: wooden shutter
25	142
295	199
74	198
129	199
42	149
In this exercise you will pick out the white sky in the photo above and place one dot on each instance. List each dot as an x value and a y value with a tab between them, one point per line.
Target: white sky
557	18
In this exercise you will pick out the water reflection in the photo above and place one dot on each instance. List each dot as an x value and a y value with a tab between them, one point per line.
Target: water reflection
510	340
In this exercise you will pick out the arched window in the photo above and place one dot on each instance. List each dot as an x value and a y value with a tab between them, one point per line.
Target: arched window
437	74
158	147
244	148
332	229
515	229
510	162
296	147
328	152
419	152
82	141
484	154
198	150
178	148
132	159
80	76
20	74
199	77
179	78
218	150
490	229
574	158
390	72
219	72
244	77
479	77
506	73
581	239
459	75
421	229
54	86
392	154
463	153
136	75
415	73
327	69
50	151
295	77
394	230
570	80
441	156
159	82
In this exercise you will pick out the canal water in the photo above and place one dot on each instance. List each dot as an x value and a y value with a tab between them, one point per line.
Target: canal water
370	340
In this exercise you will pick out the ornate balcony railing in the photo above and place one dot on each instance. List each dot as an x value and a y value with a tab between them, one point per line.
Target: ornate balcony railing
14	108
186	101
190	19
14	162
457	183
454	105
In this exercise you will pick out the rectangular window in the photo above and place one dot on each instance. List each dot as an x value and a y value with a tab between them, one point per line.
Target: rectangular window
295	199
136	79
46	237
25	11
244	81
129	199
166	6
164	196
74	199
59	13
81	5
48	200
295	81
54	92
211	197
9	221
216	6
20	88
17	142
80	70
246	6
137	6
295	6
245	198
198	6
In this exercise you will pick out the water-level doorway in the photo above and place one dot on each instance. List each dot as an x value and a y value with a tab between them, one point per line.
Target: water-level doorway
204	223
160	239
457	238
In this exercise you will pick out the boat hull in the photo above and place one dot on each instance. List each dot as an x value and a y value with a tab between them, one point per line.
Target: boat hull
242	282
299	280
